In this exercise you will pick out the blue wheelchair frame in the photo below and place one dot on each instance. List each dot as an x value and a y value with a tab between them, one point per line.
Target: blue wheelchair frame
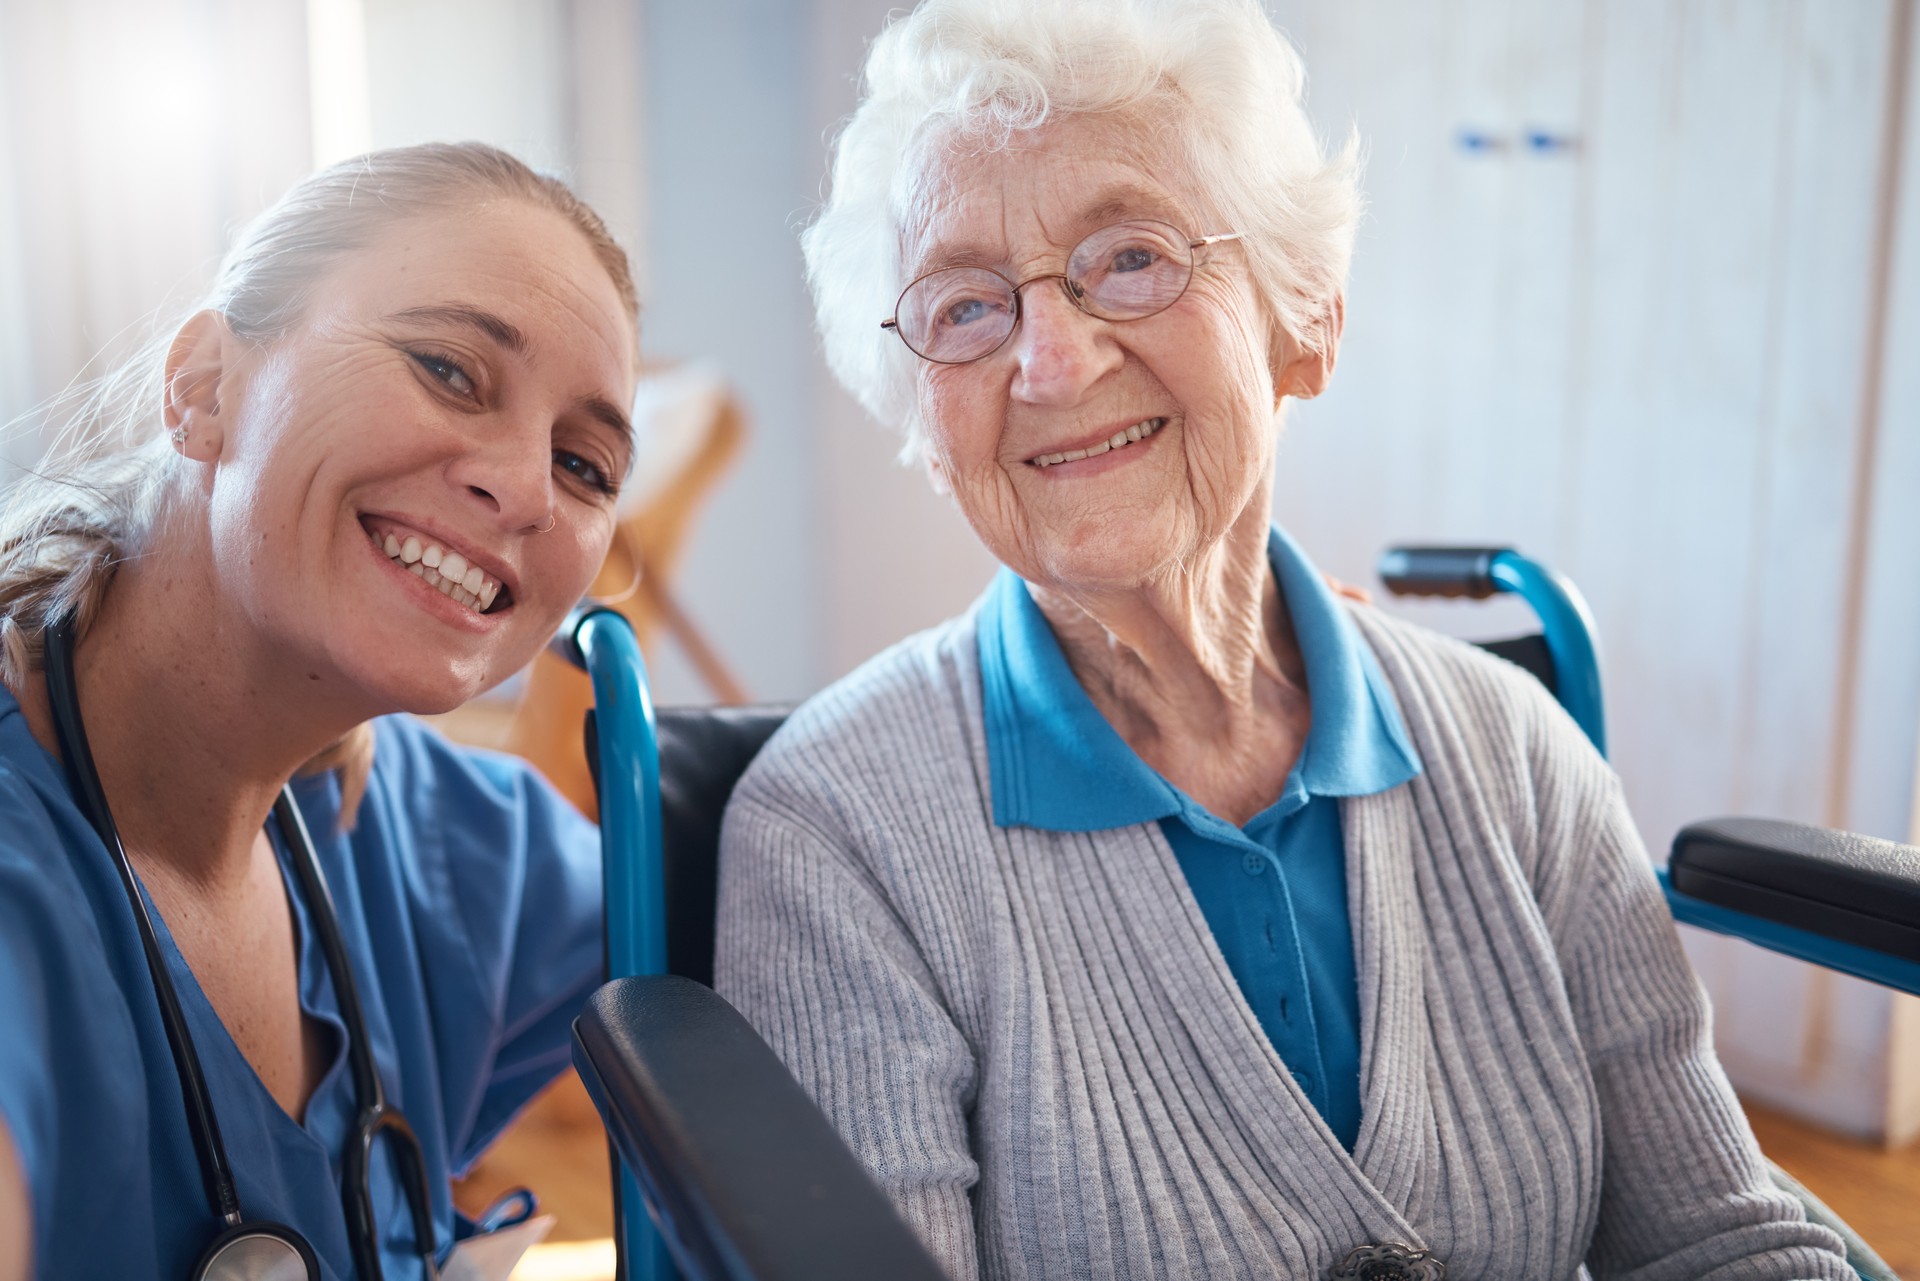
621	744
1569	635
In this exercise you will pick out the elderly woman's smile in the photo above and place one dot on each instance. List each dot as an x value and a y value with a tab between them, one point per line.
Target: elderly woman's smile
1100	445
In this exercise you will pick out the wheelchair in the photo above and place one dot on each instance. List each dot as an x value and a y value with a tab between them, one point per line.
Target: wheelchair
725	1169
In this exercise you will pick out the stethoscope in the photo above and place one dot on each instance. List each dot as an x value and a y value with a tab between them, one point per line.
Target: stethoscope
257	1249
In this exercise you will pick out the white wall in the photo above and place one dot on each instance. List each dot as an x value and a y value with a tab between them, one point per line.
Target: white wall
487	70
731	165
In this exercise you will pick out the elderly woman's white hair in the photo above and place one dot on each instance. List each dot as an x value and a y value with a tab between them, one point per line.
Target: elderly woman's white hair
1214	78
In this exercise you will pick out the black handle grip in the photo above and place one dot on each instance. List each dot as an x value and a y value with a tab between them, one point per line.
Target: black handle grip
1439	571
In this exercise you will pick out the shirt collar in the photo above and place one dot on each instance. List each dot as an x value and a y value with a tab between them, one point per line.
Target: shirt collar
1054	762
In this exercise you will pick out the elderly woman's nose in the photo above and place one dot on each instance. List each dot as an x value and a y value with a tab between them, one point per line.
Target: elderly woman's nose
510	473
1060	350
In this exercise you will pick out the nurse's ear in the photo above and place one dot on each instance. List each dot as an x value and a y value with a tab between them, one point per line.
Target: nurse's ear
198	363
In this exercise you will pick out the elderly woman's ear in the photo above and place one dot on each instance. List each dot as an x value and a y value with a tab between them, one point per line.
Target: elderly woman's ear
1303	366
936	475
196	364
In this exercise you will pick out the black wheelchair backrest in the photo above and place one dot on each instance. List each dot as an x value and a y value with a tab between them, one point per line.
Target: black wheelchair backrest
703	753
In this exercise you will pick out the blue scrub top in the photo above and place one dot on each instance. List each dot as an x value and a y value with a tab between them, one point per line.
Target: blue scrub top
469	898
1273	892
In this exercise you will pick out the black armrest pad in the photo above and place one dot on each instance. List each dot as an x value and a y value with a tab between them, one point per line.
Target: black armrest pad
748	1180
1843	886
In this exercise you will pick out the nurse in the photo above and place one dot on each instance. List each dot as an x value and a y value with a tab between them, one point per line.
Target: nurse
368	475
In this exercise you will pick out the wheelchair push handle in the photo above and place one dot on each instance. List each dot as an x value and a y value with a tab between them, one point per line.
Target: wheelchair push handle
565	644
1567	626
1455	572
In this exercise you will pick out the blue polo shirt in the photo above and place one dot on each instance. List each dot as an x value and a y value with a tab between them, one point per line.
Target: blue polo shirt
1275	891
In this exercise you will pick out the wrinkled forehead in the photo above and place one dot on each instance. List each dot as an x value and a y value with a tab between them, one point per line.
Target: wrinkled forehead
963	203
515	258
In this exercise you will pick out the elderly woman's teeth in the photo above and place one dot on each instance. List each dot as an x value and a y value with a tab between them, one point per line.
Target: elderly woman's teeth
446	572
1119	440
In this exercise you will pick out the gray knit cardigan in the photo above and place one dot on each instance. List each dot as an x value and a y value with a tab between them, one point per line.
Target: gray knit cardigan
1034	1044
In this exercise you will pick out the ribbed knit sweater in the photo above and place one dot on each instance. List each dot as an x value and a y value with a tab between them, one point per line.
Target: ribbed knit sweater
1033	1043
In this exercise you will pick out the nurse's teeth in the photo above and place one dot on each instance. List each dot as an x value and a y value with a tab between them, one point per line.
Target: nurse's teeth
448	573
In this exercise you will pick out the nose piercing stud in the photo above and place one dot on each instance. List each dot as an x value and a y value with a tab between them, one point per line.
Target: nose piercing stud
546	528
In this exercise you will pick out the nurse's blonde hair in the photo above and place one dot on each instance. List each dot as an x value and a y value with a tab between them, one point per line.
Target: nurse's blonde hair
65	528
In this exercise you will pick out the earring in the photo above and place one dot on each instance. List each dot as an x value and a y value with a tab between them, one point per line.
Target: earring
179	438
546	528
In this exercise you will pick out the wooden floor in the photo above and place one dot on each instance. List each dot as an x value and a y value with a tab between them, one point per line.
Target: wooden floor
557	1149
1876	1191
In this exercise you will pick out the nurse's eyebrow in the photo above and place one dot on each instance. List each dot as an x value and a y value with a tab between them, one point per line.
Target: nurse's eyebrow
473	318
607	412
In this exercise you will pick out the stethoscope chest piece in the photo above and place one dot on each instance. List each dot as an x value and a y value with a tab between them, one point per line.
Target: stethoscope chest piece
258	1252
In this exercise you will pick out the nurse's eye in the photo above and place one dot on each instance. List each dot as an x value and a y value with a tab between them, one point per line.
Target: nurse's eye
446	370
586	471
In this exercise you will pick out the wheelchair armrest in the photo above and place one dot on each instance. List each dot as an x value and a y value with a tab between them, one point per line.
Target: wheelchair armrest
745	1176
1855	890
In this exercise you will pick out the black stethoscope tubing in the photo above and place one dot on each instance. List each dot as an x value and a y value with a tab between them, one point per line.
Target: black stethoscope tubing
375	1115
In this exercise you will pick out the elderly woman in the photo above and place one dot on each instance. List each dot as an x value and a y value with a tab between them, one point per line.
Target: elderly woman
272	969
1165	915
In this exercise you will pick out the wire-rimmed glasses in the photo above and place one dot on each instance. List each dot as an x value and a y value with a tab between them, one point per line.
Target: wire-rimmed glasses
1128	271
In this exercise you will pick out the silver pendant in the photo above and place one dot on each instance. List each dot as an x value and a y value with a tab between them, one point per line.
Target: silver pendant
1390	1262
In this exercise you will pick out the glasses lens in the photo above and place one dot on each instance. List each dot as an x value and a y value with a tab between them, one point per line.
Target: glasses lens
1131	269
958	314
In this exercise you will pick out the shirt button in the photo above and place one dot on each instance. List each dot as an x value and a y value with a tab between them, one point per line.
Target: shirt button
1304	1080
1254	863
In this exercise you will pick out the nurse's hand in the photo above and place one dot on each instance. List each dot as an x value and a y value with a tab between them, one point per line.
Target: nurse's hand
16	1215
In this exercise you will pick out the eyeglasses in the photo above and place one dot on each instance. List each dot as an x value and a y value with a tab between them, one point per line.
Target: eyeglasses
1128	271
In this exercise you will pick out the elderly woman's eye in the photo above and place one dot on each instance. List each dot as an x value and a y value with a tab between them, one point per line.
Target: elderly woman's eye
446	370
965	311
1133	258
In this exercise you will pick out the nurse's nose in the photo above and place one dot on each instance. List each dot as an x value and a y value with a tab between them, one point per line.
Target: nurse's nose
509	474
1059	350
